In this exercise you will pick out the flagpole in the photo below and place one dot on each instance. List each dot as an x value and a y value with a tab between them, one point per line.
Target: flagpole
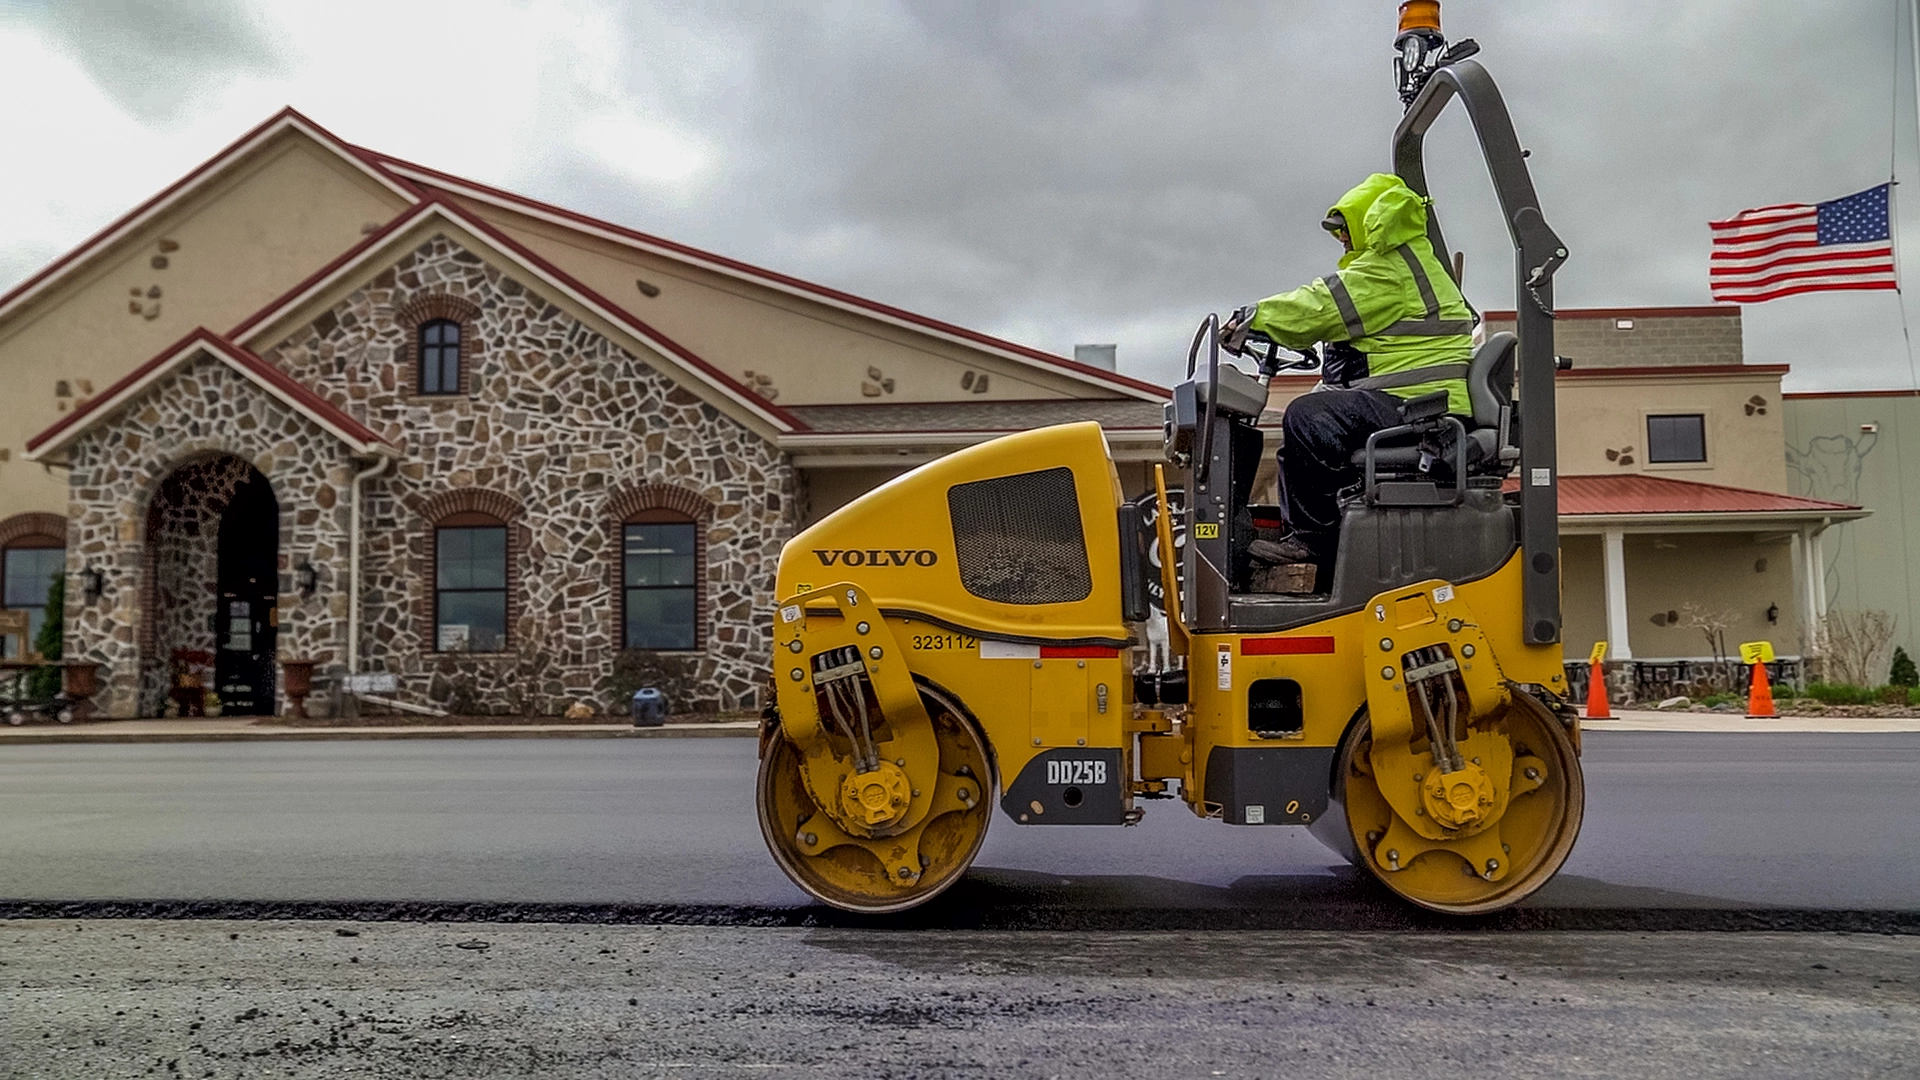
1893	195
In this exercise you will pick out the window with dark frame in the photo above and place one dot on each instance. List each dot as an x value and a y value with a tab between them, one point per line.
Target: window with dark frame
30	566
470	587
440	357
659	583
1676	438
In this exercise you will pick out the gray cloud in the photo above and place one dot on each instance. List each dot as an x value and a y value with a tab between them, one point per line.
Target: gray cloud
155	57
1100	172
1110	171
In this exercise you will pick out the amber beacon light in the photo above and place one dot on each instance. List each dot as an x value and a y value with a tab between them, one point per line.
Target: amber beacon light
1420	15
1417	48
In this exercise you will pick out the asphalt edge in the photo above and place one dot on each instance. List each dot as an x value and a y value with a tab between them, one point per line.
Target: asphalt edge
55	737
1357	917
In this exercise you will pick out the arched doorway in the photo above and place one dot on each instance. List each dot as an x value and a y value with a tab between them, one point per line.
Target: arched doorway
213	533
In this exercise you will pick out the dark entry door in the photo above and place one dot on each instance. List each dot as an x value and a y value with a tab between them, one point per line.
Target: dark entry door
249	586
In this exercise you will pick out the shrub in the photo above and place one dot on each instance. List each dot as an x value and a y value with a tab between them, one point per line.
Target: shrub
44	682
1841	694
1892	695
1903	673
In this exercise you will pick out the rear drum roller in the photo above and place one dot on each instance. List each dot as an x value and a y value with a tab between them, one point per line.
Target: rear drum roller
1537	828
851	874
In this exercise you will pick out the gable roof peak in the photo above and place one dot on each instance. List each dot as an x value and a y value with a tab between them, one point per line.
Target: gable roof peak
203	342
288	118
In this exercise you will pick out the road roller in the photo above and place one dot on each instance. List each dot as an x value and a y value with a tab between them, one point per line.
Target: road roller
971	637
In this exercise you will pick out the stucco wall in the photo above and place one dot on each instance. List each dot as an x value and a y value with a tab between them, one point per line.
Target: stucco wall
808	352
1740	574
1870	564
228	250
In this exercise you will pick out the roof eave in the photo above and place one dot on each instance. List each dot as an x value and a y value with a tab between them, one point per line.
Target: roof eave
1739	520
828	449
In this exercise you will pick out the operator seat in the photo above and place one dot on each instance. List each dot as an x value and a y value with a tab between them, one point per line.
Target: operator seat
1490	390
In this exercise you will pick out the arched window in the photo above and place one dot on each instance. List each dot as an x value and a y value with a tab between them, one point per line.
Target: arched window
660	581
470	583
33	553
440	357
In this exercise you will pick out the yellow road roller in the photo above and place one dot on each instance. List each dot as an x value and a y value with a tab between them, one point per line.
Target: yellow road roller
971	635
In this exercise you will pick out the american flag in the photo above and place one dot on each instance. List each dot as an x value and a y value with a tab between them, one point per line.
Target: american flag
1776	251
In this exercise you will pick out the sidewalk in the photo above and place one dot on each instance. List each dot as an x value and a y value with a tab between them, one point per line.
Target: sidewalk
1649	720
246	729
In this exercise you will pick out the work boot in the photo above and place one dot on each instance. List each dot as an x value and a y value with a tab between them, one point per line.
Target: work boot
1288	549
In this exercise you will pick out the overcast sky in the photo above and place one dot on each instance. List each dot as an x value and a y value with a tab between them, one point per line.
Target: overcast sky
1049	172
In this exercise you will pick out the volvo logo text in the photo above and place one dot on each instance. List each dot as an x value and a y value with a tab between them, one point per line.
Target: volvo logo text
876	556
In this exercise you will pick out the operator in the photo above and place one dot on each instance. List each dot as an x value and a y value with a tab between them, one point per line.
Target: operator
1395	327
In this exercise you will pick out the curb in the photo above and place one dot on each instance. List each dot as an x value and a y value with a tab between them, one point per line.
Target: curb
68	736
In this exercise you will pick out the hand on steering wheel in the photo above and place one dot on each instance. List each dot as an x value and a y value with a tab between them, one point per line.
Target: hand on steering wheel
1233	332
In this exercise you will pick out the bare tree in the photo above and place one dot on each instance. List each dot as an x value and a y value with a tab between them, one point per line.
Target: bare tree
1857	645
1712	623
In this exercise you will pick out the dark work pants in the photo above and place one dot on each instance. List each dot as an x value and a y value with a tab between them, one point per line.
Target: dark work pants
1322	430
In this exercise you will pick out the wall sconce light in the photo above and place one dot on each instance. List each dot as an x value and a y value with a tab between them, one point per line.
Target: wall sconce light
94	581
1773	613
306	577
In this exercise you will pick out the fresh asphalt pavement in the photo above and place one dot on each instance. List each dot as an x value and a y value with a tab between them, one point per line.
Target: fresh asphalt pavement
1673	821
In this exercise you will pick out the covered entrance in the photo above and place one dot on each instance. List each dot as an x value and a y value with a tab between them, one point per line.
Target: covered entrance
213	535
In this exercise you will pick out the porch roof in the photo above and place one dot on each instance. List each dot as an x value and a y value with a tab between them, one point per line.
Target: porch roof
1640	499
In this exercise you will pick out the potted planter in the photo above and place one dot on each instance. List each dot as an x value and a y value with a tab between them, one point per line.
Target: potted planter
297	683
80	680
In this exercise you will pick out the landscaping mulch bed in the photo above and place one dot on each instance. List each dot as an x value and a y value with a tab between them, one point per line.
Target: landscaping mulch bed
1802	707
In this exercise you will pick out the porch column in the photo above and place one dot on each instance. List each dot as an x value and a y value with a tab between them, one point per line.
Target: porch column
1815	550
1803	590
1615	547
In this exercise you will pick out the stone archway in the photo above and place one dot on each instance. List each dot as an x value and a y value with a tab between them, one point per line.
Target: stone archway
212	583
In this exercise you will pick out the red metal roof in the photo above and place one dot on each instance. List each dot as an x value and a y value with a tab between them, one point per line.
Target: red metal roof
1638	493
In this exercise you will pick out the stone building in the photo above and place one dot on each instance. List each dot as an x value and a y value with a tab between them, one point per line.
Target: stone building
314	402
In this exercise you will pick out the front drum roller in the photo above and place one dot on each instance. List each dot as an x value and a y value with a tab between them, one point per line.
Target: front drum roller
1535	833
852	873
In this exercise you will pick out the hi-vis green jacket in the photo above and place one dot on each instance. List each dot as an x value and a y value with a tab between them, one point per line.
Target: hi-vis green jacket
1391	298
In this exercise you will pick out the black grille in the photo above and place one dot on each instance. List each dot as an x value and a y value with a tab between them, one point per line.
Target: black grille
1018	538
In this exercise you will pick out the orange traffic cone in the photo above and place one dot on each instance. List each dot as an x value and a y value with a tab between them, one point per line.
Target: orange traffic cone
1760	695
1597	692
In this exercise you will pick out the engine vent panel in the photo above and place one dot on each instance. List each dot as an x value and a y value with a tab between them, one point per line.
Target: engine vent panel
1018	538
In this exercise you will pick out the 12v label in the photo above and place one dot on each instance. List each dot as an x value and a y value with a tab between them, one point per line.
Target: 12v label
1069	771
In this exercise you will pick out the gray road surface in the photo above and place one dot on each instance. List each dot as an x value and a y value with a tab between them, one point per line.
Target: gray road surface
292	1000
1828	821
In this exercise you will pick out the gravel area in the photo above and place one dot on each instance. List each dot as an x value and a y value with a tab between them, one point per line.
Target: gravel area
276	999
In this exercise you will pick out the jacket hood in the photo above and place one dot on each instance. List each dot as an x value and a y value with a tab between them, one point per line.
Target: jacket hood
1382	213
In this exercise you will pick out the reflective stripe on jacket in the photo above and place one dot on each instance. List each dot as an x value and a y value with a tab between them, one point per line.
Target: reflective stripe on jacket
1391	298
